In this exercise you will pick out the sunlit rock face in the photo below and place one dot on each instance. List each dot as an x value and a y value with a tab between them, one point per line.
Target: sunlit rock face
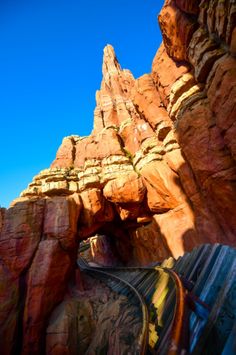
157	175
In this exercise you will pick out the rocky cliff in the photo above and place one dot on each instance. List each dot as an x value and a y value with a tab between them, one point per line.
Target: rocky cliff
157	175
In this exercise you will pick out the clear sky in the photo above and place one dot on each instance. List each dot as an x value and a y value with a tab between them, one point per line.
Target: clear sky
50	67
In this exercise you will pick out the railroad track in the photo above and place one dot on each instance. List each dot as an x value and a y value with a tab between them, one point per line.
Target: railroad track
208	274
160	295
125	288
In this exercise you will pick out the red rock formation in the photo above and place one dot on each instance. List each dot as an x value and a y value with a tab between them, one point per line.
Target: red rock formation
162	146
46	287
157	174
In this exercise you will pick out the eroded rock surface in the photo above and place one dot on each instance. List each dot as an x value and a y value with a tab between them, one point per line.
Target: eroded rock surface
94	321
157	175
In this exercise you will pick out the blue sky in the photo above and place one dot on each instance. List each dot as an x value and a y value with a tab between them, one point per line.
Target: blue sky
50	67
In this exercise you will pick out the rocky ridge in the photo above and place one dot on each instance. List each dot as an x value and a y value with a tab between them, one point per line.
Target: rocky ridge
157	174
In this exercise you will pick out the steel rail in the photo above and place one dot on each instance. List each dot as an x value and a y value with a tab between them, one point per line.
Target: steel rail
145	316
177	323
176	346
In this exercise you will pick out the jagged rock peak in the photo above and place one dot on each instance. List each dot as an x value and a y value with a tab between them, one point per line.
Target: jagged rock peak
110	63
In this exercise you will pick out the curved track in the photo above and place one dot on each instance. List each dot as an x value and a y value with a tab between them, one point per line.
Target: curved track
160	295
120	285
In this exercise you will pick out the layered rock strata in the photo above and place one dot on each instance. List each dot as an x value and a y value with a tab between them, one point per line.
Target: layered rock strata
156	176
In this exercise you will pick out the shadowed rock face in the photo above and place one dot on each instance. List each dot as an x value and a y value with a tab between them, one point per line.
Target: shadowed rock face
94	321
157	175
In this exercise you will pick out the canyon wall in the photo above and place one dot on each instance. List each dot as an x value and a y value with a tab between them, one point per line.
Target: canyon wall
157	175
